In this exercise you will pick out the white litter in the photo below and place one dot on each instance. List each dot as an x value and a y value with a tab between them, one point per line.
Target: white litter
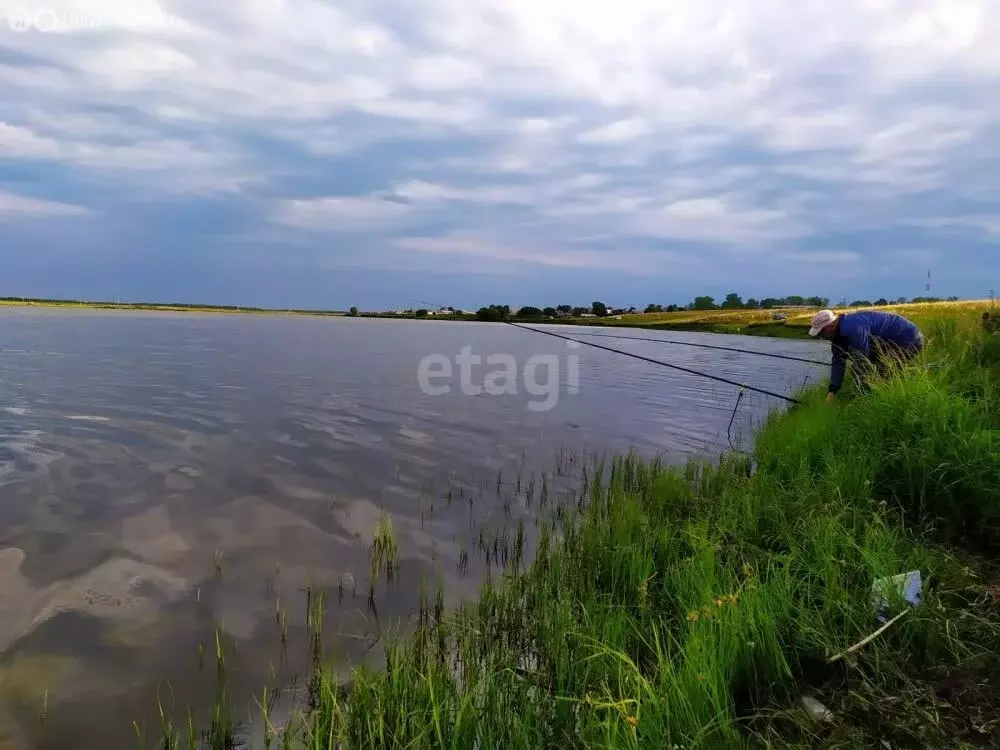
816	710
907	585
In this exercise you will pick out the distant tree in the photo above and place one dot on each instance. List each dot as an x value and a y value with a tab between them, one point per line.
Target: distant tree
953	299
421	313
733	301
565	309
818	302
795	301
861	303
549	312
901	301
529	312
631	311
354	312
578	311
704	303
493	313
654	308
672	308
769	303
881	302
752	304
599	309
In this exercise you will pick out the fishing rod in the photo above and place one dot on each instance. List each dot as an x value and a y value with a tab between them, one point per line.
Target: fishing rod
687	370
700	346
708	346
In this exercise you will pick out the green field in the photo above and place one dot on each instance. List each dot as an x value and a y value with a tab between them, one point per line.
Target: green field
698	607
762	323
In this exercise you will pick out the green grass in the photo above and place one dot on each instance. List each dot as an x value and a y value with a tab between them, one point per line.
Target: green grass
762	323
693	607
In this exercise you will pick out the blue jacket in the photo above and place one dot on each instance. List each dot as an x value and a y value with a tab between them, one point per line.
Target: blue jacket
861	334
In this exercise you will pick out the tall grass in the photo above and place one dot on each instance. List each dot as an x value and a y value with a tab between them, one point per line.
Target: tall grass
693	607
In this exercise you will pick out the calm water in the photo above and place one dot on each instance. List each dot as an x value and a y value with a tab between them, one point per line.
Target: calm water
164	476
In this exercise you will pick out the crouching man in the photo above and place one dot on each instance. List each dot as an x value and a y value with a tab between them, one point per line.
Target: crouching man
871	338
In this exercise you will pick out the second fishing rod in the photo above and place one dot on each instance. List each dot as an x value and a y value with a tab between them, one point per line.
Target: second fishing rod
670	365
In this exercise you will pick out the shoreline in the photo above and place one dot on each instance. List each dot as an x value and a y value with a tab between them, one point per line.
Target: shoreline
757	323
725	605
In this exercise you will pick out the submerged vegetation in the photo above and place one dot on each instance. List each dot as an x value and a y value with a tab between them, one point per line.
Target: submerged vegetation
721	604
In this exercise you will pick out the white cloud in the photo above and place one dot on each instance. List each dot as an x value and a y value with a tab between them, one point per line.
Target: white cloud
338	213
505	252
171	164
13	206
19	143
718	219
621	131
444	73
418	191
715	123
697	208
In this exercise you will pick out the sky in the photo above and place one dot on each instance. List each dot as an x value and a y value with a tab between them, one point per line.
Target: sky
395	153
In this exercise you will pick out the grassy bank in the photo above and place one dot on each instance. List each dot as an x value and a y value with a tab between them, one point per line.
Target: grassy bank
695	607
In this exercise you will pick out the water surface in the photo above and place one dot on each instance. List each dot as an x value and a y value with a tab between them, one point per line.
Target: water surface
163	476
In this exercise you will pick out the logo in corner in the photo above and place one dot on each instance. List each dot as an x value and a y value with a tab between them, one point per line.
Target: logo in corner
19	20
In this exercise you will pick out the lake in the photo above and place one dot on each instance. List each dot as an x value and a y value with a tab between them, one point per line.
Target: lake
166	477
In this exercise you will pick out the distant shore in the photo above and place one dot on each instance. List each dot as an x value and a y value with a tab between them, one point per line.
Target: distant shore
775	323
161	307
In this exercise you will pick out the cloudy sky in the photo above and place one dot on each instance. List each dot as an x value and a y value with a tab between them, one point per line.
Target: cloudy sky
380	152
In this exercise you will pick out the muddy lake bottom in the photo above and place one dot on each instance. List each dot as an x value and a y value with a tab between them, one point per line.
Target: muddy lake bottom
168	477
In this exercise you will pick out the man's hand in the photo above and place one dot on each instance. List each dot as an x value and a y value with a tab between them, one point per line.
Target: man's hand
831	397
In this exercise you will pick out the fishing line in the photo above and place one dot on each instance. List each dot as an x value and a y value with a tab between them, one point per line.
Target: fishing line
709	346
729	430
687	343
687	370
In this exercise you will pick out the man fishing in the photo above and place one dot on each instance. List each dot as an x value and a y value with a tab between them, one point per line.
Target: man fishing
871	338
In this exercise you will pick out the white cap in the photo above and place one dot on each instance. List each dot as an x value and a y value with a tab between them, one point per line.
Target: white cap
821	320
